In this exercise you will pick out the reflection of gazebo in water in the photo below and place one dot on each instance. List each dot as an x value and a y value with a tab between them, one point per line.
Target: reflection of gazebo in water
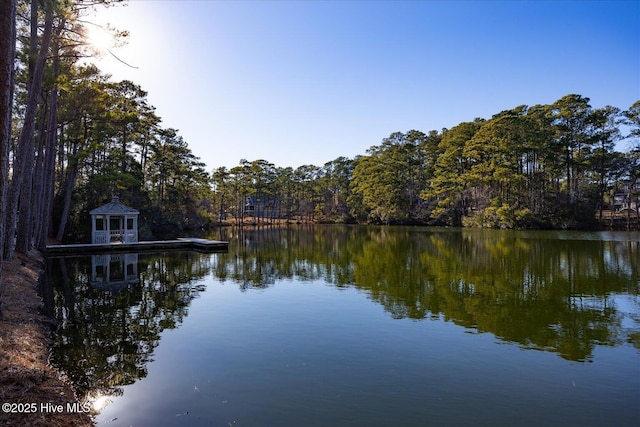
114	272
114	222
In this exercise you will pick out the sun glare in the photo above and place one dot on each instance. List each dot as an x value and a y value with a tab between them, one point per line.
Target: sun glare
107	33
100	403
99	38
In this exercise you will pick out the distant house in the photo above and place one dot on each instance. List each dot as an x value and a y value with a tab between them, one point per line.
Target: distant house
627	197
114	223
263	207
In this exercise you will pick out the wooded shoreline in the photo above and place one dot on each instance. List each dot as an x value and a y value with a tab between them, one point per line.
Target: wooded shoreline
615	222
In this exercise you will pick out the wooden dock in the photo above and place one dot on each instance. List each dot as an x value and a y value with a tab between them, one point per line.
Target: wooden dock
185	243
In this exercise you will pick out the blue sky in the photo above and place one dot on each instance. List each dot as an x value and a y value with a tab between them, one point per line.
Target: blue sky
304	82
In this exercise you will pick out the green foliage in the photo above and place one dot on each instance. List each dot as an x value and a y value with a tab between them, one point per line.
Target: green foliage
113	139
632	119
504	216
545	166
398	166
448	188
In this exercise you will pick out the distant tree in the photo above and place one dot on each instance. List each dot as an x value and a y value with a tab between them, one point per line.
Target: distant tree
262	176
284	191
241	189
336	183
572	120
633	176
398	165
220	181
606	132
448	191
632	119
178	182
499	156
306	191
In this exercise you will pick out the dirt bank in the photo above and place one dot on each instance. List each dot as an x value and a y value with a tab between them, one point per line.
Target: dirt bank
32	392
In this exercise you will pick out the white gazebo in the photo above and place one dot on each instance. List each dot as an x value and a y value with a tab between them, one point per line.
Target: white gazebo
114	223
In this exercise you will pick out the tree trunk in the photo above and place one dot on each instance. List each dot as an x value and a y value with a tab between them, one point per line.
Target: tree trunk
629	194
69	184
24	203
38	193
123	165
7	55
49	167
222	214
612	208
24	228
25	142
31	197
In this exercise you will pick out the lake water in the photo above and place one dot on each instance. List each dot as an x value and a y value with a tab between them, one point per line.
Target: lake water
358	326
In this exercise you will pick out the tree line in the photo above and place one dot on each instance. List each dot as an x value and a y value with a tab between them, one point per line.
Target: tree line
541	166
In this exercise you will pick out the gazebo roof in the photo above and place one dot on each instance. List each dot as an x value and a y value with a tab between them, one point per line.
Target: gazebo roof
114	207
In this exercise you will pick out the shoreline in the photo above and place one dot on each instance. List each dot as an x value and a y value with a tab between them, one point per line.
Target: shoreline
32	391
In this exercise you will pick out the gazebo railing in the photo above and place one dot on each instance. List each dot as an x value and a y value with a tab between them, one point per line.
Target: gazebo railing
130	236
124	236
100	237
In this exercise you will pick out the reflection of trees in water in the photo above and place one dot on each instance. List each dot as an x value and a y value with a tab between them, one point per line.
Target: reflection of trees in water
527	290
524	287
108	330
565	296
258	257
